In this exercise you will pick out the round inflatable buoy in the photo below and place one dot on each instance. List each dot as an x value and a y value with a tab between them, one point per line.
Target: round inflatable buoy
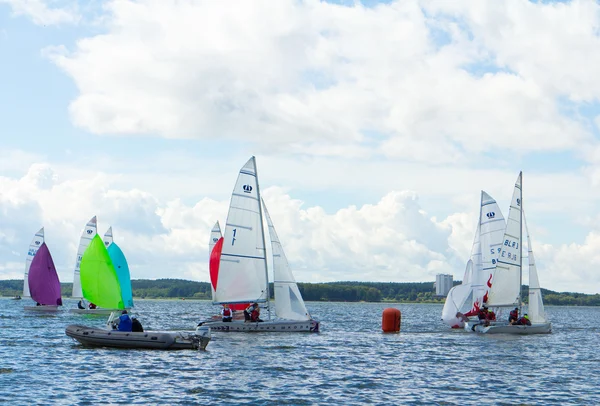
390	320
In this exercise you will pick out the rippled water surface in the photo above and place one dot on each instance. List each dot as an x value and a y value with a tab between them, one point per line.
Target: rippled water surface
349	362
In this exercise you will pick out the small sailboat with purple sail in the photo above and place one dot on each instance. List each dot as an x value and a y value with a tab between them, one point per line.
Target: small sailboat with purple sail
42	279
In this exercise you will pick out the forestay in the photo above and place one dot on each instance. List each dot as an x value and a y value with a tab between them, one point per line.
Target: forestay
35	245
506	283
288	300
87	234
242	275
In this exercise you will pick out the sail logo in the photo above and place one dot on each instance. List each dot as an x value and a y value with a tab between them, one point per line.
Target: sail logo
491	215
215	239
89	231
247	188
106	243
37	243
518	202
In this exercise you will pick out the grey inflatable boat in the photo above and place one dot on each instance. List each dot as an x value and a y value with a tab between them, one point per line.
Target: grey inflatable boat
159	340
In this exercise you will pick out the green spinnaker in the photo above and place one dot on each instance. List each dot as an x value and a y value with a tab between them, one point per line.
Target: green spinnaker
99	281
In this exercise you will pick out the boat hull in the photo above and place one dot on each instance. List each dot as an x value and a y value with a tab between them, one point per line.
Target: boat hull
42	308
541	328
279	326
100	312
154	340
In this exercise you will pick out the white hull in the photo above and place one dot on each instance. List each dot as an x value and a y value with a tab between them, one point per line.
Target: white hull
542	328
154	340
279	326
100	312
42	308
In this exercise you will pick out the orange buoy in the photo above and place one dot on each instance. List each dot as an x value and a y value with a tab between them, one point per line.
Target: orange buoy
390	320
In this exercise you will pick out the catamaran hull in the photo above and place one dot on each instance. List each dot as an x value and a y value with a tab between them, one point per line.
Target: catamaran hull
100	312
279	326
42	308
154	340
542	328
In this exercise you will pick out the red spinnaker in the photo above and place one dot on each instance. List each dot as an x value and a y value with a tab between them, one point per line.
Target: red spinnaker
213	264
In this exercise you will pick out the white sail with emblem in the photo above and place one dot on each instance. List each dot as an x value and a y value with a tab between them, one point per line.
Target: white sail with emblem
506	283
87	234
242	274
36	243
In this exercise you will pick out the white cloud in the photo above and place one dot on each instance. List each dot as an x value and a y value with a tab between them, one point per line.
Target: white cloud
315	74
43	12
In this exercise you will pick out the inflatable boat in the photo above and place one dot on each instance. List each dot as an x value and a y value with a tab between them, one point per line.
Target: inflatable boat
159	340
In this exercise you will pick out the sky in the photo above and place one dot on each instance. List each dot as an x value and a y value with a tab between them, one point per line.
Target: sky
375	126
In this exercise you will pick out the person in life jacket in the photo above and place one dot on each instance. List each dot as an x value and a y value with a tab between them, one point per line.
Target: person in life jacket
227	313
513	316
92	306
484	315
524	321
255	315
248	311
124	322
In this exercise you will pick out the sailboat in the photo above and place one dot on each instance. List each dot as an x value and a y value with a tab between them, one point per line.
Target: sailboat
43	283
464	300
36	243
89	232
238	265
506	289
121	267
100	283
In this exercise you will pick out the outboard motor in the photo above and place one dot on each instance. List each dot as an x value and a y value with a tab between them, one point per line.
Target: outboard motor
202	336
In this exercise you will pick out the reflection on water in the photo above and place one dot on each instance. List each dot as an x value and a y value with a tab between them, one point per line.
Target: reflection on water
350	362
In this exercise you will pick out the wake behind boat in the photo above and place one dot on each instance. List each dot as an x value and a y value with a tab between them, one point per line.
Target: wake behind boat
238	266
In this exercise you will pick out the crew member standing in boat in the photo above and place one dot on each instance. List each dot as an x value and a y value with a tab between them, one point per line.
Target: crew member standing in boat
227	313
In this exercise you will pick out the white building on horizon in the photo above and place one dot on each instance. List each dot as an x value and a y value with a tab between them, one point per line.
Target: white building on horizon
443	284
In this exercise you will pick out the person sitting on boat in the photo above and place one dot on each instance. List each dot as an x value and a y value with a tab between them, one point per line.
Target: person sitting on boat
92	306
125	323
513	316
80	305
227	313
524	321
136	325
248	311
255	315
38	304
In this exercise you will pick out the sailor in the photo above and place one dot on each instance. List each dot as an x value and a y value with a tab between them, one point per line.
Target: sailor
248	311
255	315
124	322
227	313
513	316
92	306
524	321
136	325
80	305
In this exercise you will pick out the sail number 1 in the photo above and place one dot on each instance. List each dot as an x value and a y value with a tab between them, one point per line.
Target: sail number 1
233	239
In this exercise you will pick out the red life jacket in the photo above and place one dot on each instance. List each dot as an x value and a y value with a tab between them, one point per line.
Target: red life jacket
254	315
226	312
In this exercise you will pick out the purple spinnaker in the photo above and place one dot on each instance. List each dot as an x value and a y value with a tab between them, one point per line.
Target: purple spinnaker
43	279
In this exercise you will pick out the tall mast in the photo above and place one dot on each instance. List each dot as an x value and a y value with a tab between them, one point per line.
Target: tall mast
521	244
263	237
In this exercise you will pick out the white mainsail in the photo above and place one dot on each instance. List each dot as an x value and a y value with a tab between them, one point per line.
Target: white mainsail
288	300
87	234
243	264
108	237
536	312
36	243
215	235
469	295
491	232
506	283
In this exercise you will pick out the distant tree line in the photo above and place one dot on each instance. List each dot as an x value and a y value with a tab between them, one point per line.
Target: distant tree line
333	291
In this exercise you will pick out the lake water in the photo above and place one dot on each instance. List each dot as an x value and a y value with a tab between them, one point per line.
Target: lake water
349	363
